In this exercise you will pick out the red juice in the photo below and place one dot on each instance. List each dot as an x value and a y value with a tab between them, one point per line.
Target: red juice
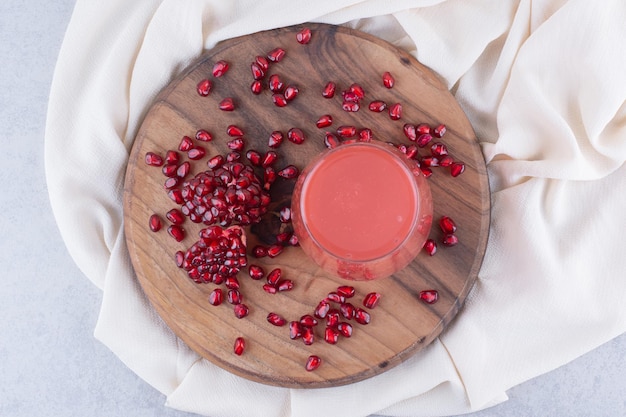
362	210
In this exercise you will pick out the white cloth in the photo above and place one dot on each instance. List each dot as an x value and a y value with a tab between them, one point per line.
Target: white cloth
544	84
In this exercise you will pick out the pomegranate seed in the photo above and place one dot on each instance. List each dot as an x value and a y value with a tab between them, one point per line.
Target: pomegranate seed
295	330
284	285
274	276
257	72
350	97
175	216
289	172
269	177
256	87
227	104
371	300
153	159
236	144
402	148
324	121
447	225
346	131
410	131
304	36
169	170
395	111
291	92
256	272
241	311
259	251
312	363
185	144
220	68
172	157
322	309
276	319
233	131
335	297
350	106
295	135
196	153
430	246
308	336
279	100
204	87
424	139
176	196
450	239
268	159
439	131
457	168
345	329
233	156
329	90
276	55
183	169
331	335
361	316
216	161
270	289
171	183
377	106
446	161
426	171
240	346
177	232
429	296
388	80
275	140
232	283
430	161
262	62
330	140
254	157
423	128
293	240
347	310
332	317
411	151
285	214
283	238
155	223
276	85
346	291
308	321
357	90
439	149
365	135
216	297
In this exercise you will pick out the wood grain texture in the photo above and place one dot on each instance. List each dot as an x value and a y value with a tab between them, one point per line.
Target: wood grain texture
401	325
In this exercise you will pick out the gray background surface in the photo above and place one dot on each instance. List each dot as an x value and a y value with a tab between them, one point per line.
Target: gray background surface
50	364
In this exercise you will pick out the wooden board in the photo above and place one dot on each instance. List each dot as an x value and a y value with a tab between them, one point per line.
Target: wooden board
401	324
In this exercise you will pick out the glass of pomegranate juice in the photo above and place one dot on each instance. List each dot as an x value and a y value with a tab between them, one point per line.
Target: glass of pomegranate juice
362	210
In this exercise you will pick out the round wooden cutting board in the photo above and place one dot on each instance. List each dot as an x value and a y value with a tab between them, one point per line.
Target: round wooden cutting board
401	324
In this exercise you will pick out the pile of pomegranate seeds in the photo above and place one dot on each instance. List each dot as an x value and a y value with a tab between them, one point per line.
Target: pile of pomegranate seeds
232	192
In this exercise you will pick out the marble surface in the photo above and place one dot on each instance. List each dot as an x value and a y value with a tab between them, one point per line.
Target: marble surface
50	364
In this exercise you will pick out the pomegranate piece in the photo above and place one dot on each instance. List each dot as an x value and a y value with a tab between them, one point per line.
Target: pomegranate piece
257	72
329	90
295	330
304	36
371	300
361	316
430	246
227	104
234	131
276	54
216	297
395	111
291	92
289	172
450	239
429	296
388	80
153	159
241	310
279	100
240	346
447	225
155	223
331	335
203	88
276	320
175	216
457	168
196	153
256	87
220	68
274	276
377	106
177	232
312	363
256	272
439	131
295	135
324	121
